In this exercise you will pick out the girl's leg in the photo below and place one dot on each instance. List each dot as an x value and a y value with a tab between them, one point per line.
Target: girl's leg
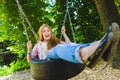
68	52
96	48
85	52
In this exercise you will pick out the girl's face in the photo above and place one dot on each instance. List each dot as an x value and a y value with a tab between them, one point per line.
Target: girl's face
46	33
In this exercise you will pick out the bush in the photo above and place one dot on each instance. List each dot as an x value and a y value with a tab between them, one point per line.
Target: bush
19	65
4	71
14	66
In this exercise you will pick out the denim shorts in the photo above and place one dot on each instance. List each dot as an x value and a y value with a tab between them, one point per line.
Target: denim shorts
69	52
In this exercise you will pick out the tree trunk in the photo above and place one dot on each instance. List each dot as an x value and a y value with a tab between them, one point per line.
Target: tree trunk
108	13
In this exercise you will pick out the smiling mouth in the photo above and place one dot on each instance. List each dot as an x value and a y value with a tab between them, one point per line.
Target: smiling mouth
47	36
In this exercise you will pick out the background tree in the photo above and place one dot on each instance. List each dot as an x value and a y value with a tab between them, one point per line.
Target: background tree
109	13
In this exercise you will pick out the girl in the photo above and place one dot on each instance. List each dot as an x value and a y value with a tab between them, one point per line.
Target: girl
51	47
47	41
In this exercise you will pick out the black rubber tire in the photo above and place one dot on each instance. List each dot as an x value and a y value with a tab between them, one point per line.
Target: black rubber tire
54	69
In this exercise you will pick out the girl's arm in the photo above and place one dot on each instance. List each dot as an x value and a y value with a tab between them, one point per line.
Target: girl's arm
63	31
29	51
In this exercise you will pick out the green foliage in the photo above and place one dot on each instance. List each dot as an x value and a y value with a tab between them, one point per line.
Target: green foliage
14	66
19	65
117	2
4	71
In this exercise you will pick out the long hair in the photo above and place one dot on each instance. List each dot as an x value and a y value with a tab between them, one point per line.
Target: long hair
53	40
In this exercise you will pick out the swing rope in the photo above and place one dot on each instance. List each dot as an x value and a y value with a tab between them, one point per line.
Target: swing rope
26	33
23	21
24	17
73	34
65	17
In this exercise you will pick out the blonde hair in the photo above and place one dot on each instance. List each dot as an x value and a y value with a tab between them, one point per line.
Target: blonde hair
53	40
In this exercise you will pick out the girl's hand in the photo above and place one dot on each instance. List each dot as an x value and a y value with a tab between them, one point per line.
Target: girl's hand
63	30
29	46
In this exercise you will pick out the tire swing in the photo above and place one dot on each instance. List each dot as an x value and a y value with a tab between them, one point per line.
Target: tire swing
50	69
54	69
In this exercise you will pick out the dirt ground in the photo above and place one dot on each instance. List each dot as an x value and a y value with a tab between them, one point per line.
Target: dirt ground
98	73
